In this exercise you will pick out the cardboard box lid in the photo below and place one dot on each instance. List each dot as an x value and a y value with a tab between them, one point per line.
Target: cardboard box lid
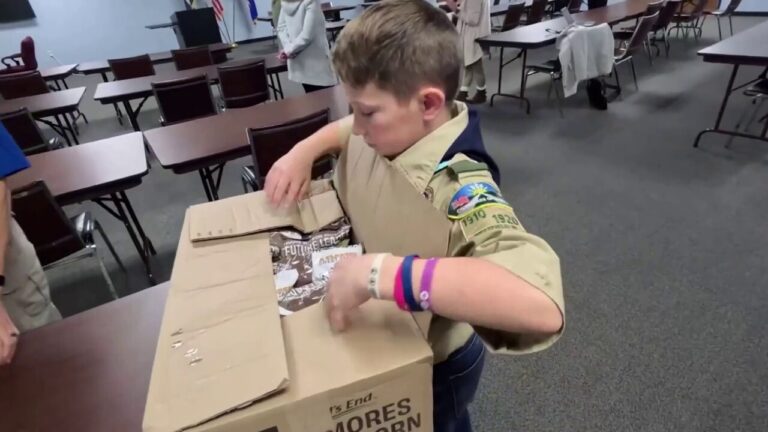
222	345
252	213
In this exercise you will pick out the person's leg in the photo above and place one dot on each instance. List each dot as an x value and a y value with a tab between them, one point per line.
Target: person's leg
466	83
309	88
454	384
26	297
479	77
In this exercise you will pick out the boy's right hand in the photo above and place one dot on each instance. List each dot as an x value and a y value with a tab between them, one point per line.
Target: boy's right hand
288	179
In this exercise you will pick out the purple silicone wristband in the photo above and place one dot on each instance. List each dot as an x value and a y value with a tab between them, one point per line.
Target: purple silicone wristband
425	296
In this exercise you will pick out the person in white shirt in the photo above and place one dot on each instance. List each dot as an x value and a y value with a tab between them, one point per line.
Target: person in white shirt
474	21
301	29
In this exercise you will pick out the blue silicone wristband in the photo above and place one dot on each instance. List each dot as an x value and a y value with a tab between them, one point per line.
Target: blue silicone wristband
410	299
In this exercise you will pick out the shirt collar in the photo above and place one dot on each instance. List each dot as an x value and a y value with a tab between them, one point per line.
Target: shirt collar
419	162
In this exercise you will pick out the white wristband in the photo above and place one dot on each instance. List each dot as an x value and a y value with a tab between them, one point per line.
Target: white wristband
373	278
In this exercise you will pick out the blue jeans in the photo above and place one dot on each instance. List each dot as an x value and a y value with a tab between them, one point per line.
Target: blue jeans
454	383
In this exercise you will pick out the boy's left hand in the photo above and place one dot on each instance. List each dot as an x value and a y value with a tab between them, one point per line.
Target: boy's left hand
347	289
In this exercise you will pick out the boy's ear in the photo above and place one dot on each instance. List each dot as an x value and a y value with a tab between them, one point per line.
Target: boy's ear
432	101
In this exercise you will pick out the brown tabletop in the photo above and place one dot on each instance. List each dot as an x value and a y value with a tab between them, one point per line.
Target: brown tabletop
749	47
137	88
545	33
89	170
210	140
89	372
101	66
47	104
58	72
496	10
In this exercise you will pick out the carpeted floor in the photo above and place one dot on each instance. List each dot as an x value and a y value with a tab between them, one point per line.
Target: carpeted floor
662	248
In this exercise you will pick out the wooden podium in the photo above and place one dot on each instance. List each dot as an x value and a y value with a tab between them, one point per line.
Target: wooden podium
195	27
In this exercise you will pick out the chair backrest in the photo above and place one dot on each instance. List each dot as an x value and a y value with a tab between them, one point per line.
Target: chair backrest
27	52
131	67
641	33
244	85
189	58
536	12
732	6
595	4
24	131
654	7
512	17
184	99
666	14
574	6
271	143
44	223
22	84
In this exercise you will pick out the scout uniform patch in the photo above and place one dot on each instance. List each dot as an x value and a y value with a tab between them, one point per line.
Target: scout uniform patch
473	197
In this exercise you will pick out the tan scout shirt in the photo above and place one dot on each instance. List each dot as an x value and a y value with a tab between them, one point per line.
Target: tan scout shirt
492	233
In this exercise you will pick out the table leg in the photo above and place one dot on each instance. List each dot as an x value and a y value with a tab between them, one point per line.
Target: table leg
210	184
204	179
521	95
118	113
64	81
70	129
132	115
59	128
279	86
272	86
120	212
146	240
501	74
728	91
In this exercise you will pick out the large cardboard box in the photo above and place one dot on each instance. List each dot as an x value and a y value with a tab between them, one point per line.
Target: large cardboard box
226	361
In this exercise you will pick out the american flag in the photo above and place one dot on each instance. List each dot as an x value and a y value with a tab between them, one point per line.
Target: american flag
218	9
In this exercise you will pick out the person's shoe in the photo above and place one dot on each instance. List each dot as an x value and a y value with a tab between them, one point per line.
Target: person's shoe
462	96
479	98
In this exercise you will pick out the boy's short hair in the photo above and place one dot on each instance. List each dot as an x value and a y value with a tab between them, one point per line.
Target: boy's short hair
400	45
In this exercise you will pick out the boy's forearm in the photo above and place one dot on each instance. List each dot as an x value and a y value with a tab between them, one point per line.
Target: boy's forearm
481	293
327	140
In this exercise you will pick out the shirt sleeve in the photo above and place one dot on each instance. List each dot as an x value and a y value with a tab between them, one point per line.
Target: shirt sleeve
493	232
345	128
12	159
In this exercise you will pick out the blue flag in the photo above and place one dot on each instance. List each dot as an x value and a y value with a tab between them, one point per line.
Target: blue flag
252	9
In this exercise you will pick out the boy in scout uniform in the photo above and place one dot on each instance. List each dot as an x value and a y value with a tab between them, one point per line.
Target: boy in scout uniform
400	67
25	301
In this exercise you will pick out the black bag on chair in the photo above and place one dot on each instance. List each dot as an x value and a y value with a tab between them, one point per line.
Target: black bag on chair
596	93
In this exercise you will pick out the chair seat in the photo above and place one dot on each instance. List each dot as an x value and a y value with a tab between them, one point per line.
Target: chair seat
759	88
14	69
620	53
623	34
249	177
682	18
84	225
548	66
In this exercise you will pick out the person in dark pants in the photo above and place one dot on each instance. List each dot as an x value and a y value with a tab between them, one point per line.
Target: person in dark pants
309	88
496	285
